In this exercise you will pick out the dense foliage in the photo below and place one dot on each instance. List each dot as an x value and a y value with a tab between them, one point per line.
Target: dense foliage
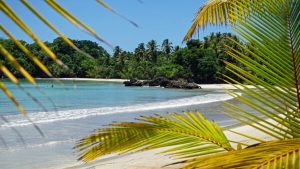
199	61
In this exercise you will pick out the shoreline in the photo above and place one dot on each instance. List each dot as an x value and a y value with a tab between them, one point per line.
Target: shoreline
203	86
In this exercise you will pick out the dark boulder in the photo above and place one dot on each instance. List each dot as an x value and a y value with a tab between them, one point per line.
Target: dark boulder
182	85
159	82
133	82
145	82
192	86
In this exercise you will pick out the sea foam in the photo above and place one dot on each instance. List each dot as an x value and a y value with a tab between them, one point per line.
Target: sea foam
48	117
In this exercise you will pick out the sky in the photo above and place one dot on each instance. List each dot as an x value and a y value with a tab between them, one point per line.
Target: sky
157	19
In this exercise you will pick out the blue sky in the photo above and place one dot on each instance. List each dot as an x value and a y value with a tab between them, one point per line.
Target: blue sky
157	19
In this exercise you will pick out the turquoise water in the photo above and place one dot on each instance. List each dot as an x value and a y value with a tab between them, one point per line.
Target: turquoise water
73	109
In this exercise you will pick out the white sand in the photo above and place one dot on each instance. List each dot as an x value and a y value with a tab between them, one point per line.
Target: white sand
221	86
153	160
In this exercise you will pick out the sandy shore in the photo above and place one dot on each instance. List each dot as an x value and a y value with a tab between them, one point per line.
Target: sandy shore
153	160
203	86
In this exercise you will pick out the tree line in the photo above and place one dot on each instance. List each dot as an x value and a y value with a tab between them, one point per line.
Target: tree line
200	61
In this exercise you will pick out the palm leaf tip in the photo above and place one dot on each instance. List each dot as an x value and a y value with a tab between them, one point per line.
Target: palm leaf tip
184	136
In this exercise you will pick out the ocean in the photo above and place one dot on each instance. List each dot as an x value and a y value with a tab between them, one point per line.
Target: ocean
66	111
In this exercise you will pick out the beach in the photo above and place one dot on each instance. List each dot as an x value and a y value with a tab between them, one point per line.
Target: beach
203	86
153	159
82	105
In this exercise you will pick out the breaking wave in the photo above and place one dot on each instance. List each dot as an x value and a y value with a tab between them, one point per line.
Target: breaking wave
48	117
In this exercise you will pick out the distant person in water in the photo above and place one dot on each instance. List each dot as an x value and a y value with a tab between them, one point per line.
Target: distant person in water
52	86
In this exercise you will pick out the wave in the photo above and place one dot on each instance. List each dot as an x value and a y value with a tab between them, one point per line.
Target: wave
32	146
48	117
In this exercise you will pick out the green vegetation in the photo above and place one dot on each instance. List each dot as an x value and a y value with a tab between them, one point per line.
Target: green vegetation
199	61
271	63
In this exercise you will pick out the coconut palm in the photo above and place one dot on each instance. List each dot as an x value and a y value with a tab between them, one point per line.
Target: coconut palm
270	28
140	52
151	50
166	46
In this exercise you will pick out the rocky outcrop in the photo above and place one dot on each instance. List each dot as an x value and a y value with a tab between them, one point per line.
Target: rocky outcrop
182	85
133	82
163	82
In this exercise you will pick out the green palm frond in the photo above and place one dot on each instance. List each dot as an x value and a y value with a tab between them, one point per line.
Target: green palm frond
212	12
276	154
186	136
272	67
223	12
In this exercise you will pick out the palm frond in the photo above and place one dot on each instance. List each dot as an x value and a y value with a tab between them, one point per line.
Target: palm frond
30	55
11	59
53	28
11	14
212	12
12	98
223	12
272	67
67	15
276	154
186	136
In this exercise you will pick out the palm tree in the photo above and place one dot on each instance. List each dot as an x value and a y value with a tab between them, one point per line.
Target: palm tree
272	27
152	50
166	46
140	52
119	61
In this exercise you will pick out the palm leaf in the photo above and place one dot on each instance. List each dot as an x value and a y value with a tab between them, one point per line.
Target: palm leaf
16	65
11	14
273	68
212	12
63	12
223	12
188	135
12	98
53	28
276	154
29	54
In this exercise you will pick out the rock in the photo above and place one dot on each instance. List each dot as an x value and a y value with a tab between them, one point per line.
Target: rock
182	85
159	82
164	82
192	86
133	82
146	82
